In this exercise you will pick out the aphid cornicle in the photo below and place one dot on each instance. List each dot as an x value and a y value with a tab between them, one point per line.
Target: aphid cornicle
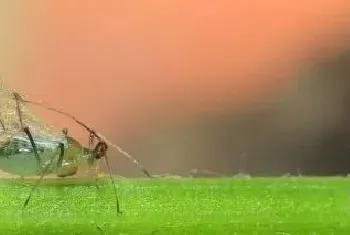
31	147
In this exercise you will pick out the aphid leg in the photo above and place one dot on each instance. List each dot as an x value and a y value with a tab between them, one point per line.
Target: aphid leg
2	125
43	172
91	141
61	155
65	132
30	136
113	182
96	171
61	149
26	130
91	160
91	144
99	152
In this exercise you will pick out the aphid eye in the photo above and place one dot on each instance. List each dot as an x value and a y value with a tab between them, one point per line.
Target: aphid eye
100	150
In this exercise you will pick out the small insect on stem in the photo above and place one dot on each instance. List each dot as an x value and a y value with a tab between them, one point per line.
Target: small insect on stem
23	135
94	153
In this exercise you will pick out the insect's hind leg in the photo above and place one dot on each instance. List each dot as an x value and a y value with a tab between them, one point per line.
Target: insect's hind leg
45	170
36	154
61	155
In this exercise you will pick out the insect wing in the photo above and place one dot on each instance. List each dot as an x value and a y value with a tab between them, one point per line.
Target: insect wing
16	151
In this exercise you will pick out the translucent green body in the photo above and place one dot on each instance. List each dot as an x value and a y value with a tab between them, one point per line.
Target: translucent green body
18	157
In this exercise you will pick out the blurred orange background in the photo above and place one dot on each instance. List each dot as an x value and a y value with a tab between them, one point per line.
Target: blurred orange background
124	66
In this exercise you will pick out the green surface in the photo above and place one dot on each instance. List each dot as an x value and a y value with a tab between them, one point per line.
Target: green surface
180	206
19	164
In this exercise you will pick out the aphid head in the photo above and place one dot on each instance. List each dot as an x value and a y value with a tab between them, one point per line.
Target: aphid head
100	150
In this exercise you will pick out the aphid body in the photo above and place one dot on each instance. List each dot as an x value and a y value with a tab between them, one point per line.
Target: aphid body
57	152
30	147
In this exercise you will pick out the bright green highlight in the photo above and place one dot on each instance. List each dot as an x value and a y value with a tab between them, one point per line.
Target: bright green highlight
180	206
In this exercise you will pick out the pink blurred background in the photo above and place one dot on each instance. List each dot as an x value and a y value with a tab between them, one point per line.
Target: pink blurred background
127	67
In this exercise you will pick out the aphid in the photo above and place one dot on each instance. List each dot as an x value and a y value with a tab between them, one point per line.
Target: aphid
31	147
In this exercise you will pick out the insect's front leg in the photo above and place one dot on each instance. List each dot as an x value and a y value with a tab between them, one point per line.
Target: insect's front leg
93	157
